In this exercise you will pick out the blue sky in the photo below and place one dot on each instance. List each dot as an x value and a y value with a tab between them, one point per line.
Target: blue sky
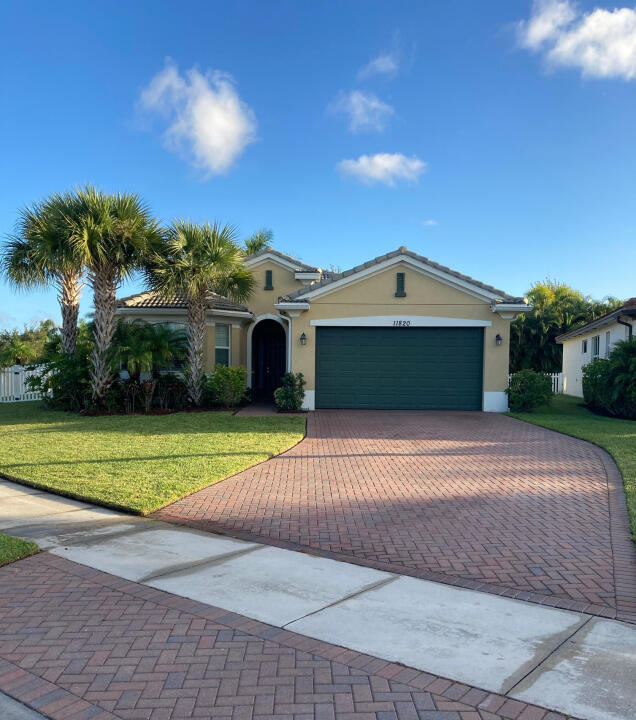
498	138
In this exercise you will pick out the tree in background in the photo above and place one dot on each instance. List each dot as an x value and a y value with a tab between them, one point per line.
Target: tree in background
193	261
258	241
558	308
28	346
113	235
41	253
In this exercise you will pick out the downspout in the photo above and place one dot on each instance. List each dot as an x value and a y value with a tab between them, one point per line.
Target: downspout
627	325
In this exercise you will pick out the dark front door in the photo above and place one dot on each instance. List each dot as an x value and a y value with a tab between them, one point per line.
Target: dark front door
268	358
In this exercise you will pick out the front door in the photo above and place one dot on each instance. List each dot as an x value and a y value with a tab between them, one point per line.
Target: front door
268	358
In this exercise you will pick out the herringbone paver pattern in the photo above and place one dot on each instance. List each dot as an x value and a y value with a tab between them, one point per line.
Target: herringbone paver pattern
78	644
479	499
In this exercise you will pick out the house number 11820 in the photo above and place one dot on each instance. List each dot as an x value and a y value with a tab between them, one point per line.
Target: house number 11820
401	323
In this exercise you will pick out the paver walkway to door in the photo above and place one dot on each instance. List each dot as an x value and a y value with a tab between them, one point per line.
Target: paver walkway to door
475	499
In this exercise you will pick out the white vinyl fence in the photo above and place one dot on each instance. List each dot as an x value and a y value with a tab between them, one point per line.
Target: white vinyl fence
557	382
13	387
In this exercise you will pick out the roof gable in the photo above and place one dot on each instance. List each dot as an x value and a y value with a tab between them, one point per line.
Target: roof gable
402	255
286	261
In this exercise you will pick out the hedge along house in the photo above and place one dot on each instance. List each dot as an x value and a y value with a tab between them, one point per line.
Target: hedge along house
398	332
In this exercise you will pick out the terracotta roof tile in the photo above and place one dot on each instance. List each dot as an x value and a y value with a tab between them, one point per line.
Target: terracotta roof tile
151	299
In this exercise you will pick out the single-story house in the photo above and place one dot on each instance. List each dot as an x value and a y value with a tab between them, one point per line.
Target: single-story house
593	340
399	331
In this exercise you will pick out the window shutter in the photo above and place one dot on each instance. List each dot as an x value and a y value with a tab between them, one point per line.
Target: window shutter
399	288
268	280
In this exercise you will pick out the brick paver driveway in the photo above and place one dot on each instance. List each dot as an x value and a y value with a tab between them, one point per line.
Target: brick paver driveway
78	644
475	499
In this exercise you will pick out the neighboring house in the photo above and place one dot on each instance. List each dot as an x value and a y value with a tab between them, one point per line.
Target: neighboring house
399	331
593	340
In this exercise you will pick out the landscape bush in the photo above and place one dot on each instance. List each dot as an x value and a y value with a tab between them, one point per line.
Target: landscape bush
291	394
609	385
226	387
529	390
597	385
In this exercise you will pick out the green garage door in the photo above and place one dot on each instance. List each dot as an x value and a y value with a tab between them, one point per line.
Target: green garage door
399	368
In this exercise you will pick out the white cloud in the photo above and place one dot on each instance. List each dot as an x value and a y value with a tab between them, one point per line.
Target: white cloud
384	168
429	223
601	43
383	64
365	110
208	121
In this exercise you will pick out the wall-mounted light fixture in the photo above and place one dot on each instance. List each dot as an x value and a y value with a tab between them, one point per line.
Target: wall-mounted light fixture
498	339
303	339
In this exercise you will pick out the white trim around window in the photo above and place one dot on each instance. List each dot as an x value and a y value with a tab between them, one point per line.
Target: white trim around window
399	321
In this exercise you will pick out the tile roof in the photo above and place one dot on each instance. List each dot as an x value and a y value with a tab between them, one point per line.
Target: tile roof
300	266
628	308
151	299
402	251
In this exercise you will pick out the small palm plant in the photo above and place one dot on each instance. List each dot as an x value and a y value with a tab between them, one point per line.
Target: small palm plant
114	235
41	253
143	347
194	261
169	346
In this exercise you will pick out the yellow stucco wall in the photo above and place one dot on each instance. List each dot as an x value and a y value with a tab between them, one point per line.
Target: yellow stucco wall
283	281
375	295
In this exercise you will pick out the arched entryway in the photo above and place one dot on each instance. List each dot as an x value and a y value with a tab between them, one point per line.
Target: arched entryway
268	358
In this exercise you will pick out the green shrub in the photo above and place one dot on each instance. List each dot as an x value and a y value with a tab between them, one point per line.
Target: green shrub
528	390
609	385
597	385
171	392
64	382
225	387
291	394
623	363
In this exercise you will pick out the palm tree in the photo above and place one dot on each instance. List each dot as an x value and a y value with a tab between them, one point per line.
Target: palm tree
196	260
41	253
168	346
113	235
258	241
141	346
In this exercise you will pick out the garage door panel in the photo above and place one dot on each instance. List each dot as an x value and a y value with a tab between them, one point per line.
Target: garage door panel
391	368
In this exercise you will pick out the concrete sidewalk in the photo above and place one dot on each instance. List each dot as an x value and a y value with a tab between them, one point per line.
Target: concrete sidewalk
566	661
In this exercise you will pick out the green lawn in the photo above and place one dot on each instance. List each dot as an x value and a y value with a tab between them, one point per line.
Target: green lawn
12	548
132	462
567	415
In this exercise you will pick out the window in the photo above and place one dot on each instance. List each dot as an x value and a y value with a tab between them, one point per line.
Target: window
399	285
608	343
268	280
222	344
584	347
596	346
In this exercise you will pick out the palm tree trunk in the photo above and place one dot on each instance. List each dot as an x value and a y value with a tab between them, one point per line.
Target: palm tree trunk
104	282
70	290
196	339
